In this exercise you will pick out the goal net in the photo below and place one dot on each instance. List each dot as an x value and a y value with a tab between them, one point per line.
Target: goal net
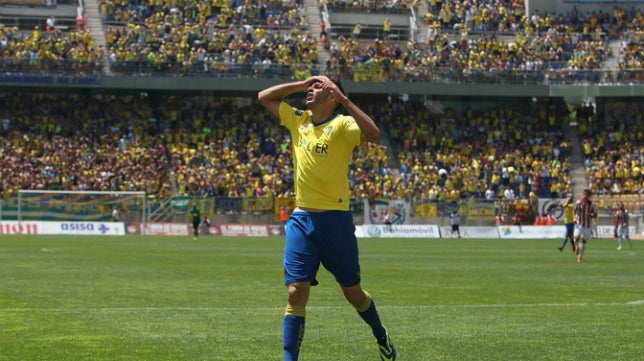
81	206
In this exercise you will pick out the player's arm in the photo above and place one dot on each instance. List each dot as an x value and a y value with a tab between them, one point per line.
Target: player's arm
271	97
369	131
368	128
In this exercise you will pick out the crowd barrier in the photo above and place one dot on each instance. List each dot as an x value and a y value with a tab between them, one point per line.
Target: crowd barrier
265	230
62	228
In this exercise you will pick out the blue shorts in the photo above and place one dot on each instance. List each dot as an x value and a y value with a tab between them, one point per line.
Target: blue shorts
327	238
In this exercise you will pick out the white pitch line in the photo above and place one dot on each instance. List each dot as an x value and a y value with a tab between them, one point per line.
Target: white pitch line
139	309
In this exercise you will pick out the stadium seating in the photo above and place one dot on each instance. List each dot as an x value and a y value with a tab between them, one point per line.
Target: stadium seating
247	38
236	154
193	148
26	15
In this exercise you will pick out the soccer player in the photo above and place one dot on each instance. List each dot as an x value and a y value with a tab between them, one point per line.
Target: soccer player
622	227
454	222
516	221
320	229
615	224
584	213
569	221
498	219
116	214
195	217
204	227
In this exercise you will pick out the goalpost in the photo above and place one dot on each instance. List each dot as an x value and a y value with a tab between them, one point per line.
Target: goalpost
81	206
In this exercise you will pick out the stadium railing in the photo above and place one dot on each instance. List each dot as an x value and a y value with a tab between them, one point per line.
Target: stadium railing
18	66
21	66
473	211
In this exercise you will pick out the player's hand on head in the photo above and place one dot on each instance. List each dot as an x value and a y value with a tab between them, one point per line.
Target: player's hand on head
314	79
331	87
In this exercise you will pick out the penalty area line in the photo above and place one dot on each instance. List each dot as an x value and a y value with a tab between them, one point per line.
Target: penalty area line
263	309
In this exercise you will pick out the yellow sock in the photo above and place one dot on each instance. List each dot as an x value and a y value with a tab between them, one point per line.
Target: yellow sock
367	303
299	311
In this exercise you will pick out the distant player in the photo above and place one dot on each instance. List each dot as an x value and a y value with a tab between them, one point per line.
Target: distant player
584	214
569	222
454	222
204	227
622	228
498	219
516	221
615	236
116	214
195	217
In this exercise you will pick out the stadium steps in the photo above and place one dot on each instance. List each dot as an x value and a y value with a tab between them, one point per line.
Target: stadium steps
577	169
314	16
611	62
421	34
95	25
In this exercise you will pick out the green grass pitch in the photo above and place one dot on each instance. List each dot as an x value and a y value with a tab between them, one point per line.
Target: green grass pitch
172	298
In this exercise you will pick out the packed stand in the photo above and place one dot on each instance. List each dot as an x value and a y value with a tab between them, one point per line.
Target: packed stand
370	6
500	44
205	146
613	148
49	50
221	38
502	155
488	16
631	61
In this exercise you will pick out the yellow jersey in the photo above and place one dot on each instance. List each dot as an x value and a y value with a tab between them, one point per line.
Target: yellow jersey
569	213
321	156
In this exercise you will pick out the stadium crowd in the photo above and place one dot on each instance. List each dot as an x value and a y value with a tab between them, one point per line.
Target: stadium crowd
228	147
211	146
465	41
48	50
545	46
196	37
613	148
206	146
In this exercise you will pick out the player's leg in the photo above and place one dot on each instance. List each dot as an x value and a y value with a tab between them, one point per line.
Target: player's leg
565	240
294	319
626	235
585	235
582	249
366	308
577	238
195	229
570	235
339	248
301	264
